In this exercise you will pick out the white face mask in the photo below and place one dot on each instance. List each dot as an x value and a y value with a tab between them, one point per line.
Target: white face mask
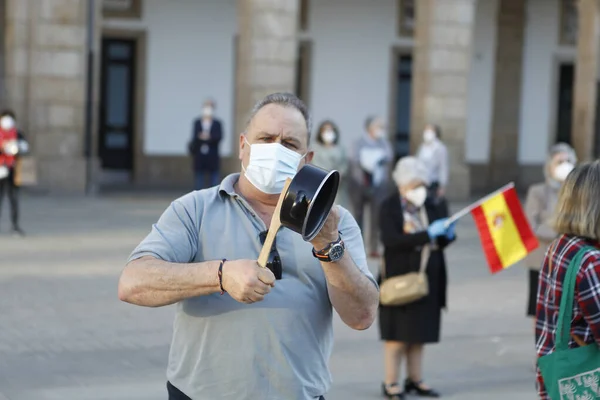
7	123
270	165
328	136
429	136
562	170
417	196
379	133
207	111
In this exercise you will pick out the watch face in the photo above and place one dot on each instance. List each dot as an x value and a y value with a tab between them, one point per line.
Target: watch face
336	252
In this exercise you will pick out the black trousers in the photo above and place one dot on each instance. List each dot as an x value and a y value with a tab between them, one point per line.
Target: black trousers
176	394
7	185
534	276
439	202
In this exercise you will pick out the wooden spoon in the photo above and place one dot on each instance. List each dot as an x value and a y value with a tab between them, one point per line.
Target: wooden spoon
263	257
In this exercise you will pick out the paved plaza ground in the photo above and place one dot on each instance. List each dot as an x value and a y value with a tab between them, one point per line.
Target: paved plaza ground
65	335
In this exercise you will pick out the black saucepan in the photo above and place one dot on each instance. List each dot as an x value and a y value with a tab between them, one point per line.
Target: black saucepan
309	199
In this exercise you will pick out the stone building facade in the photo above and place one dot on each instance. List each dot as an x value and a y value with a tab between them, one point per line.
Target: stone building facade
44	80
341	55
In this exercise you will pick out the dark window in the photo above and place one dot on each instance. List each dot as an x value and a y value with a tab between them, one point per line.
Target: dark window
403	83
116	131
406	17
568	22
565	103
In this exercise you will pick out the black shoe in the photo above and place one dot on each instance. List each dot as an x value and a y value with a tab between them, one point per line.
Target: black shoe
391	396
410	387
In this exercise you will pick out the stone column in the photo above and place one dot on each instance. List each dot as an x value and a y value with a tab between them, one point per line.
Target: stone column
16	57
266	54
503	166
586	78
442	56
45	62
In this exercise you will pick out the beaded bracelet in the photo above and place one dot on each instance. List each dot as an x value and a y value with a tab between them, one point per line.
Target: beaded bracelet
220	273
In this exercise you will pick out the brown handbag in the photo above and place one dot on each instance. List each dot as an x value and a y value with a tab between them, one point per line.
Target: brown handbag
25	171
404	289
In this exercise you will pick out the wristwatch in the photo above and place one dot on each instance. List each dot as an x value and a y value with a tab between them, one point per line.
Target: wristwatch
333	252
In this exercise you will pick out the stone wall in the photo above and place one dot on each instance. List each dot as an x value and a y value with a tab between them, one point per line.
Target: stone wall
503	166
586	75
442	56
17	38
266	57
45	75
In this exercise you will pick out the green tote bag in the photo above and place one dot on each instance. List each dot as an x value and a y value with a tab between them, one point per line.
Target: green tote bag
571	374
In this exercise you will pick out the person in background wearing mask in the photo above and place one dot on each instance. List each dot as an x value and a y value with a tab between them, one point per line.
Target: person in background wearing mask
369	184
243	332
434	154
330	155
207	133
539	207
12	145
408	223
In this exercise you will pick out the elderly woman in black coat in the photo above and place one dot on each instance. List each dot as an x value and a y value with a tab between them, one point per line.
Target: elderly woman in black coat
408	222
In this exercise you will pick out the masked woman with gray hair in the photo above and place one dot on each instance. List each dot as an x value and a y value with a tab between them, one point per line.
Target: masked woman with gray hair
408	224
539	206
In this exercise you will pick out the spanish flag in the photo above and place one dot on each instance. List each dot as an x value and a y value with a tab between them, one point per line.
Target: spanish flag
503	229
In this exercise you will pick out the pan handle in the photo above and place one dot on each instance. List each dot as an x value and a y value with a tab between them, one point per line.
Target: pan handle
300	206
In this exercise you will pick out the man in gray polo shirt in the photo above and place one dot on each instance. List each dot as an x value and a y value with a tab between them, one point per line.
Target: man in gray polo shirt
240	333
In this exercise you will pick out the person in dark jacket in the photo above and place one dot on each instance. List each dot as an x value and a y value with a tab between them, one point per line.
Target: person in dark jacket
12	145
408	222
207	132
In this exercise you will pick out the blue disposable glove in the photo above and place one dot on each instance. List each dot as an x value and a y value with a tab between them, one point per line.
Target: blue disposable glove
437	228
450	232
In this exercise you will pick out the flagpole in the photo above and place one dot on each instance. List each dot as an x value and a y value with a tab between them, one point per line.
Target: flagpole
456	216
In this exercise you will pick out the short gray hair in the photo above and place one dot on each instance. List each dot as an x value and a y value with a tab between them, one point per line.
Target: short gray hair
211	101
409	169
284	99
559	148
369	121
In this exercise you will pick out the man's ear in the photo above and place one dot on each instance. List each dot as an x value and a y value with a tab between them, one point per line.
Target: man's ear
309	156
242	143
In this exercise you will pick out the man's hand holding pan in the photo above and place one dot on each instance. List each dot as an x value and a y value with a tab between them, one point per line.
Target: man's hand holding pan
246	281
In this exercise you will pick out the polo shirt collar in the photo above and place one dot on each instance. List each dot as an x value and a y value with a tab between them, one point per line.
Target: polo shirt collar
226	186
